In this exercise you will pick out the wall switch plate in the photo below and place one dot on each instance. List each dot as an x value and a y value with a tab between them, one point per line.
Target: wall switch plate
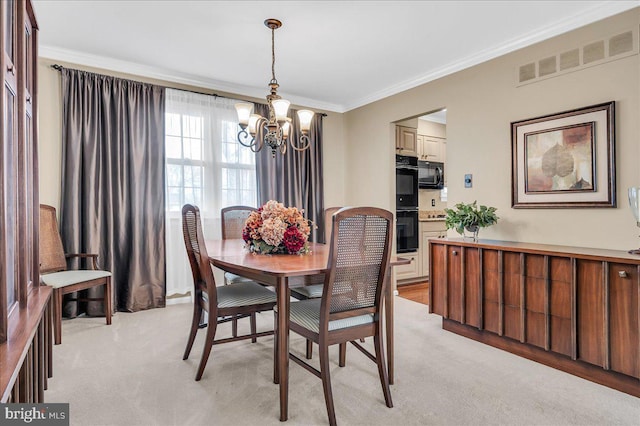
433	202
468	181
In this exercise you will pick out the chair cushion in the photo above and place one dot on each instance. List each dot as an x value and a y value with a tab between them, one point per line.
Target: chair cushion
65	278
230	278
244	294
308	291
306	313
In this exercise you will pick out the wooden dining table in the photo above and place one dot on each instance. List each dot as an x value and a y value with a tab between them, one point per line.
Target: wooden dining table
275	270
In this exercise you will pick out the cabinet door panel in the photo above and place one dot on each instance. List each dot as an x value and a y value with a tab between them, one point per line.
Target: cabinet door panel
512	289
438	278
512	326
491	281
454	289
561	299
561	335
511	263
535	291
560	269
536	331
534	266
490	260
491	316
590	307
623	323
560	293
472	287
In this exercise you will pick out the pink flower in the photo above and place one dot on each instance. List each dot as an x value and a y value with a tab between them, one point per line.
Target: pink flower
274	228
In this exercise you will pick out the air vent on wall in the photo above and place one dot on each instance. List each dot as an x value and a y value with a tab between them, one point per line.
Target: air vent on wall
596	52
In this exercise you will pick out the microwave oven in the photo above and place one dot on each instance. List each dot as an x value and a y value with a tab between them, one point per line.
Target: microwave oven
430	174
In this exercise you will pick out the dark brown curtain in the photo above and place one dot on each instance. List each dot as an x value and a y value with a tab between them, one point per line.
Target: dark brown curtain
295	178
113	183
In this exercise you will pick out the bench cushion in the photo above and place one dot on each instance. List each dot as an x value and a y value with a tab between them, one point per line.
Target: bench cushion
65	278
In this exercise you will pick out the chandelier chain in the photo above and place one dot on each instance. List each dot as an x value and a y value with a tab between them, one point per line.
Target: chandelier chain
273	55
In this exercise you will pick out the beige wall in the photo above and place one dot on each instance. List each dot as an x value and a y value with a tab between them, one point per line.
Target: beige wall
50	131
481	103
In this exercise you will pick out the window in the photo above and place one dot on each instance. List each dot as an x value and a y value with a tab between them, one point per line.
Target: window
205	166
185	165
238	169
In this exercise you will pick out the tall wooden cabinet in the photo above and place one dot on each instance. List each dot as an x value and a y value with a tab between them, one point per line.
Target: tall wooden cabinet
575	309
25	346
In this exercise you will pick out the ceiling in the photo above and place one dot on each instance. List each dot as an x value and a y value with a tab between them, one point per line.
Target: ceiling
333	55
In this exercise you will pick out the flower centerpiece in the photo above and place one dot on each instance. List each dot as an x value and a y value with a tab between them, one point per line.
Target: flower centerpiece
274	229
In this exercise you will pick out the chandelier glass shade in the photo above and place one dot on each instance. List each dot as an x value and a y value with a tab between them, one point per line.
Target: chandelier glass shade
274	130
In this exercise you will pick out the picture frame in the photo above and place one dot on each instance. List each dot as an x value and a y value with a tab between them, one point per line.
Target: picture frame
565	160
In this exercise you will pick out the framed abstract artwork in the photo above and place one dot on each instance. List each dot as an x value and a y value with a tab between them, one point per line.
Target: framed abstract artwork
565	160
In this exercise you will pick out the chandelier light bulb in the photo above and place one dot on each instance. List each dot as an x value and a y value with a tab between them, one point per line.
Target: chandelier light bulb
286	128
253	123
305	116
244	110
281	107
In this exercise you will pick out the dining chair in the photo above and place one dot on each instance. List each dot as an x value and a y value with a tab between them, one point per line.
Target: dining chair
232	220
223	304
310	287
54	273
351	303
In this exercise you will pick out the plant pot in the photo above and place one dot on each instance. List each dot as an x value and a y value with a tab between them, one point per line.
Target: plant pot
471	232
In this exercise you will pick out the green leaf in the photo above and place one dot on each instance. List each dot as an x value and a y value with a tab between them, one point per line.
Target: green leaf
469	215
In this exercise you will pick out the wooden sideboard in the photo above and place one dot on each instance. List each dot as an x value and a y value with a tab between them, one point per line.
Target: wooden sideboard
572	308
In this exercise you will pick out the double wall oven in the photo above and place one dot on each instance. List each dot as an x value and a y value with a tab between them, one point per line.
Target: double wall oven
406	204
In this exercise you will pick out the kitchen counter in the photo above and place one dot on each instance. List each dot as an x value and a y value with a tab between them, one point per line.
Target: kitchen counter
431	215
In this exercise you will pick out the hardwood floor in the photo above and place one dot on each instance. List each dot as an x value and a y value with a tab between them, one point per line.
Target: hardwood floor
418	292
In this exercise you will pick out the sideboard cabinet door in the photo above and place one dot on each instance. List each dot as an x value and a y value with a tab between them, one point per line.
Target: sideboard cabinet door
623	319
437	278
590	311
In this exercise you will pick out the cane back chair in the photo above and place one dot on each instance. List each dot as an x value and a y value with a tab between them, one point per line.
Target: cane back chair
232	221
351	303
54	273
223	304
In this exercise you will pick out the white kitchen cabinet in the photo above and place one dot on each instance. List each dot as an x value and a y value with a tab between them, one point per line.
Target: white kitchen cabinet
406	140
431	148
424	247
412	270
428	230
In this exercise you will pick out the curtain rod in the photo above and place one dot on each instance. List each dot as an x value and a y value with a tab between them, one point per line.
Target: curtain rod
59	67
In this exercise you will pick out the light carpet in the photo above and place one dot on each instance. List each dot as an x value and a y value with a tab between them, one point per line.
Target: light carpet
132	373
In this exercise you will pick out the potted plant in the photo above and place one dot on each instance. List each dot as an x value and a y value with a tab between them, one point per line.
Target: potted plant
470	217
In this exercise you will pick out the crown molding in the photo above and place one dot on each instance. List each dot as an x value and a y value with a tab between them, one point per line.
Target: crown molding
127	67
588	16
595	13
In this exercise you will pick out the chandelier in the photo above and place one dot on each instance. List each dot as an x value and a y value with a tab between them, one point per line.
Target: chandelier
277	125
